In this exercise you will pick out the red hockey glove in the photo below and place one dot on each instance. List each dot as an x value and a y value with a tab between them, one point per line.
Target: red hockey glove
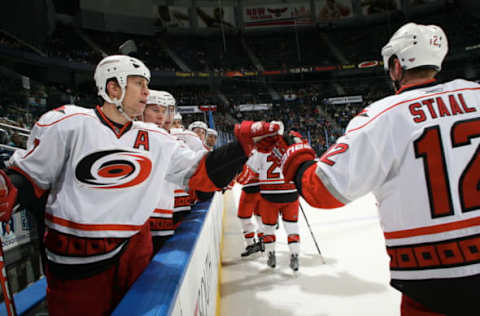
292	150
8	196
246	175
261	135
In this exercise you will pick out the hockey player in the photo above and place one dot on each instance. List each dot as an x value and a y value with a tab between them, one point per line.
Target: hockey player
199	128
418	153
101	172
183	199
211	138
159	109
248	206
156	110
177	121
278	197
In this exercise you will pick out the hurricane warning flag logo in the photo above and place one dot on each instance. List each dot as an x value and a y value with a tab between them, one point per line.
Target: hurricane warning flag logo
113	169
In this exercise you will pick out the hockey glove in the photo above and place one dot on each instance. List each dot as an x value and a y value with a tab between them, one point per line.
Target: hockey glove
293	150
246	175
8	196
261	135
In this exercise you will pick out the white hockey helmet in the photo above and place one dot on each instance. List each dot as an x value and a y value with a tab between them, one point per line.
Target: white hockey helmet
118	67
161	98
177	117
211	131
198	124
417	45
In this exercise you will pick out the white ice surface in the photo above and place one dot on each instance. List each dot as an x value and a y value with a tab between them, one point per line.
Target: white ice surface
353	281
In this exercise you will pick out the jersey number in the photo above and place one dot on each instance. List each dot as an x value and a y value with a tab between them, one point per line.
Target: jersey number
429	147
332	151
271	174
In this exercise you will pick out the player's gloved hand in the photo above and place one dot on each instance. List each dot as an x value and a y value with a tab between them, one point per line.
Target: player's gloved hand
8	196
292	150
246	175
261	135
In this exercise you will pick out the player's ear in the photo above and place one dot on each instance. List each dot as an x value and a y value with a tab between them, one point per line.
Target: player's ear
113	89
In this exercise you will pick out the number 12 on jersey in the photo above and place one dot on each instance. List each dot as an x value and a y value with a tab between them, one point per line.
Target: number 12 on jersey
429	148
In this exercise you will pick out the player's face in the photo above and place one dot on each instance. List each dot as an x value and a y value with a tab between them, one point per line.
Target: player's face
200	132
135	96
154	114
177	124
211	140
167	124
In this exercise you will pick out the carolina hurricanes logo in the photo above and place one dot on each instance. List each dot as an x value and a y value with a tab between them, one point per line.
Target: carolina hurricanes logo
113	169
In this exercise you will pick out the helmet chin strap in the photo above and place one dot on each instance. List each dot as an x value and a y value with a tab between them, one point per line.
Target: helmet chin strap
119	106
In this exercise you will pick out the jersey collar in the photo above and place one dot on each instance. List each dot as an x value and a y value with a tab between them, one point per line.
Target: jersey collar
423	84
118	129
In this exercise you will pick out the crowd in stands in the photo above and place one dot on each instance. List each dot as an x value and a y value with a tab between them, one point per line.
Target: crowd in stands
66	43
299	104
302	108
223	52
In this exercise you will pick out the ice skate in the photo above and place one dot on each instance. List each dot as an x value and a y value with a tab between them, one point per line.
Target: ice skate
272	260
253	248
261	244
294	264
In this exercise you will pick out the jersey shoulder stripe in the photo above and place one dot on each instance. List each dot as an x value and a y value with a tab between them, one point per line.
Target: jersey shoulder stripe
381	107
62	113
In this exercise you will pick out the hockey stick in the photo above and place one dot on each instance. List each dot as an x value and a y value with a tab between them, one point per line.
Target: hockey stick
311	232
7	296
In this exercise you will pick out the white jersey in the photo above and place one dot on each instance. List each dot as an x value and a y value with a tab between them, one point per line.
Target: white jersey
183	200
189	138
418	152
163	213
272	183
103	182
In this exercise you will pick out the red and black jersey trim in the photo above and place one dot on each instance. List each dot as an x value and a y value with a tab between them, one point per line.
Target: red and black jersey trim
117	129
251	189
425	84
65	244
280	198
436	255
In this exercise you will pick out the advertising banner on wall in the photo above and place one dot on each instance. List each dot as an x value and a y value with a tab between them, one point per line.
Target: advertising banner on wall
215	16
274	15
254	107
185	109
344	100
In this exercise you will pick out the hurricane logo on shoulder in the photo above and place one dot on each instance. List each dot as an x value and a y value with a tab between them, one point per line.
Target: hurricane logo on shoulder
113	169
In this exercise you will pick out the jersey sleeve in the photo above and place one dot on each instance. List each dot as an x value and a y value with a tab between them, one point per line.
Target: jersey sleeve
191	140
43	159
183	164
256	161
359	162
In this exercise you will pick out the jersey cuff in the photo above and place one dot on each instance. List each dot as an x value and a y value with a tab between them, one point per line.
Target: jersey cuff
313	190
200	180
299	175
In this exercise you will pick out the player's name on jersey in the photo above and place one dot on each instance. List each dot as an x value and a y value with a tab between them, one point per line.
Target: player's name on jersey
439	106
